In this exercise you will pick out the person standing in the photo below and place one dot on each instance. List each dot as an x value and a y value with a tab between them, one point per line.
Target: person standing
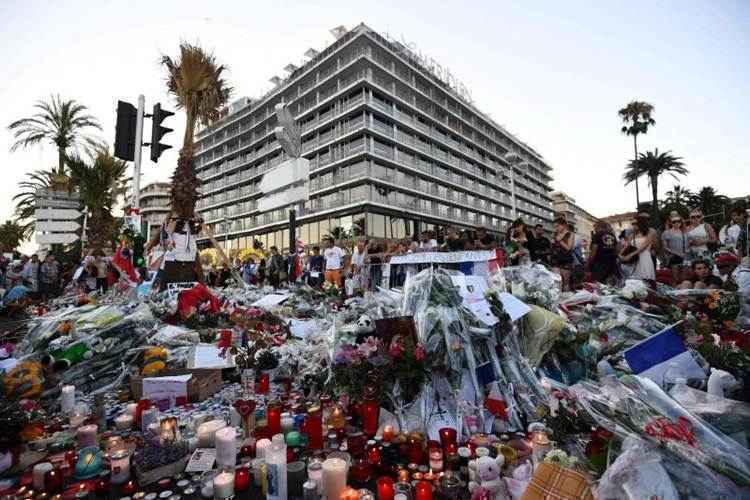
701	236
561	251
484	240
334	257
453	241
518	240
643	240
315	268
48	277
31	275
674	243
275	267
358	267
427	243
602	261
539	246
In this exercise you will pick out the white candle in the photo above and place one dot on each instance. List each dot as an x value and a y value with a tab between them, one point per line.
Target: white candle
224	485
67	398
277	481
234	417
123	422
207	432
120	466
334	477
37	475
287	422
226	447
86	436
260	447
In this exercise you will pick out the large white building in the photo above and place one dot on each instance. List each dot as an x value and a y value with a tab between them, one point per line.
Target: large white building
394	143
155	203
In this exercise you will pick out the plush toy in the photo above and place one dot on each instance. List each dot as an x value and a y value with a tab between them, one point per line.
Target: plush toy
486	470
365	324
24	380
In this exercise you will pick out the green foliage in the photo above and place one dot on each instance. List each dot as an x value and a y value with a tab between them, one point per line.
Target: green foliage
653	165
11	235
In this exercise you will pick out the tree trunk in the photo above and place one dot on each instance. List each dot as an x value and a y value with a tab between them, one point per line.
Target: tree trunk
187	141
637	195
655	201
60	161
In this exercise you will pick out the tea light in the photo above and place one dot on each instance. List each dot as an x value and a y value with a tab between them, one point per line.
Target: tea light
67	398
388	433
447	436
223	485
226	446
120	466
384	488
124	422
424	491
334	477
86	436
38	473
129	487
207	433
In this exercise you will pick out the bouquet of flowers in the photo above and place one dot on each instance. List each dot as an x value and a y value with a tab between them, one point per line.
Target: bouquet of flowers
534	285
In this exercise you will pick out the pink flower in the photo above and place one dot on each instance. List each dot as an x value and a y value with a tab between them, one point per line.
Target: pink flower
396	350
369	346
419	352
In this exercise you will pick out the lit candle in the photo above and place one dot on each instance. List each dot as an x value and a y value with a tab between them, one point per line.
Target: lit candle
385	488
226	446
334	477
38	473
67	398
124	421
207	433
128	488
260	447
388	433
86	436
436	459
315	473
241	479
349	494
424	491
120	466
370	416
273	418
287	422
447	436
337	420
52	481
223	485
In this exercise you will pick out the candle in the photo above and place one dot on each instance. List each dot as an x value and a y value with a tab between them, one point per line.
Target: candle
53	481
388	433
334	477
131	408
415	450
310	490
385	488
259	471
277	473
148	416
263	383
67	398
373	453
120	466
337	420
207	433
296	477
447	436
87	436
226	446
273	418
223	485
124	422
315	473
260	447
101	486
38	473
313	427
370	415
349	494
287	422
129	487
360	471
436	459
293	439
424	491
241	479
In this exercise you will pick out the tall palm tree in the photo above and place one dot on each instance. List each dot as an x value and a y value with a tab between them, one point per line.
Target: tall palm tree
709	202
652	165
636	119
100	180
196	81
59	122
678	197
25	199
11	235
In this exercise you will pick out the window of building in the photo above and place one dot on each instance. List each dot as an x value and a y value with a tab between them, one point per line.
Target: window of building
376	225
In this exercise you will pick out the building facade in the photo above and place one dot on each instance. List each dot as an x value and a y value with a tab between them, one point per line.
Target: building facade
621	222
581	221
393	150
154	207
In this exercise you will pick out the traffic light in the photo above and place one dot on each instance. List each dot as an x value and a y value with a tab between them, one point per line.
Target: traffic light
157	131
127	116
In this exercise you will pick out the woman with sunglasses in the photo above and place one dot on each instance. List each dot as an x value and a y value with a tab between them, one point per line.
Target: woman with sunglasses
700	236
674	243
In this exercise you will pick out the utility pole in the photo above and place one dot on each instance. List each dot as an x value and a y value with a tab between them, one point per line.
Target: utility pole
137	153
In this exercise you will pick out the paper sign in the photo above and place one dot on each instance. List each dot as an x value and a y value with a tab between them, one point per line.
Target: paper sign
208	356
202	460
270	300
301	329
483	313
471	288
165	390
514	307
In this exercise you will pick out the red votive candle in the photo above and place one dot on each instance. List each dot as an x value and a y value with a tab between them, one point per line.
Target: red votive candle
360	471
415	451
101	486
385	488
370	409
143	404
241	479
273	419
53	481
388	433
373	453
447	437
264	383
313	427
262	432
129	487
424	491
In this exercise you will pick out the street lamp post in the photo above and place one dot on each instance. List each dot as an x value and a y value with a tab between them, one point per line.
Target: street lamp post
513	159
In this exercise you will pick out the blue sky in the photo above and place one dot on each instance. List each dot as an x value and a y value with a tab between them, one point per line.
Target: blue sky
554	73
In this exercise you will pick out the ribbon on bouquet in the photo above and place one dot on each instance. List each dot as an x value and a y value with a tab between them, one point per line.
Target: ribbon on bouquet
664	429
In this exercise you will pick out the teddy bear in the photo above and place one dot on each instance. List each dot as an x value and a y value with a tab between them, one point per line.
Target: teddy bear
486	470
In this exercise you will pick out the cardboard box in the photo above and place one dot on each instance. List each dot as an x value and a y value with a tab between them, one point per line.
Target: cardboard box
202	384
552	482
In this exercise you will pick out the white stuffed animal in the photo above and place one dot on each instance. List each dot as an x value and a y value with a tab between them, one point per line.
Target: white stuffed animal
365	324
486	470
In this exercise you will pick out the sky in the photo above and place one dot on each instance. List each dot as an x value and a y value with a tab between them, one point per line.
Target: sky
554	73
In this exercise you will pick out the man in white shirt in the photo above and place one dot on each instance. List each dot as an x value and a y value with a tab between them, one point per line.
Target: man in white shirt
334	257
427	243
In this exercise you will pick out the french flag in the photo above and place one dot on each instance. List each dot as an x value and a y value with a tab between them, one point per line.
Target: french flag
663	351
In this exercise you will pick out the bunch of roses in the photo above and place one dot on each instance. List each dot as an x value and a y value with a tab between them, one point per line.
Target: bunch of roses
354	354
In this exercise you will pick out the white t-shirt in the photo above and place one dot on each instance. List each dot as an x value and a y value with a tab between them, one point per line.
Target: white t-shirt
333	258
729	235
428	245
358	259
184	250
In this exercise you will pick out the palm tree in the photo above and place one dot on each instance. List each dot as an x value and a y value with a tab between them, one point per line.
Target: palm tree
196	81
58	122
636	119
100	180
709	202
11	235
678	196
653	164
26	198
